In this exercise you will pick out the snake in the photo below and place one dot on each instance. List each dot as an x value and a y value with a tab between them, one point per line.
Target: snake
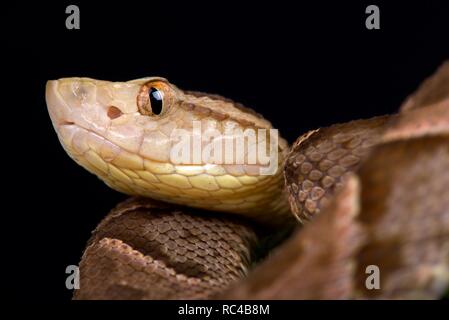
188	229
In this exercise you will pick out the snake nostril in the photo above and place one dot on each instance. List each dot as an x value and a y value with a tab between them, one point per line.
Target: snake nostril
114	112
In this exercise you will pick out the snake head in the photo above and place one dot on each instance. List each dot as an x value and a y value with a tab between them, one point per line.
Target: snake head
126	132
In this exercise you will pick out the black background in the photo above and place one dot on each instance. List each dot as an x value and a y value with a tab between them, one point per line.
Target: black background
301	65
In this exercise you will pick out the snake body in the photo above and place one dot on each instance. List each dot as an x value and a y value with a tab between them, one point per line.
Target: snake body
166	248
146	249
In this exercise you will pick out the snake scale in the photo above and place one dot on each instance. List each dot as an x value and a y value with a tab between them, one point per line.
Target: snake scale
366	192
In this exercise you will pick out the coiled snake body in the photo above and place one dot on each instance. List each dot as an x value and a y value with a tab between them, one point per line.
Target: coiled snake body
123	133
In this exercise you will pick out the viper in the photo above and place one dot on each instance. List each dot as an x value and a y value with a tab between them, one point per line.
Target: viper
123	133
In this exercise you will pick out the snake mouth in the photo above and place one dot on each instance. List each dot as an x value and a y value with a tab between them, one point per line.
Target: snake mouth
80	140
75	135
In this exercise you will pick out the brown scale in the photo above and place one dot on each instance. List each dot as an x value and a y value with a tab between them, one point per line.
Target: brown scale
316	262
149	250
405	209
393	212
320	160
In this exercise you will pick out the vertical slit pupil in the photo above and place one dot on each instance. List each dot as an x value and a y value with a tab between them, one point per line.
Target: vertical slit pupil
156	100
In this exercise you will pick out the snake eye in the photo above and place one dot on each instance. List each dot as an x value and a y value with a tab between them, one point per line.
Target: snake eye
156	100
152	99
